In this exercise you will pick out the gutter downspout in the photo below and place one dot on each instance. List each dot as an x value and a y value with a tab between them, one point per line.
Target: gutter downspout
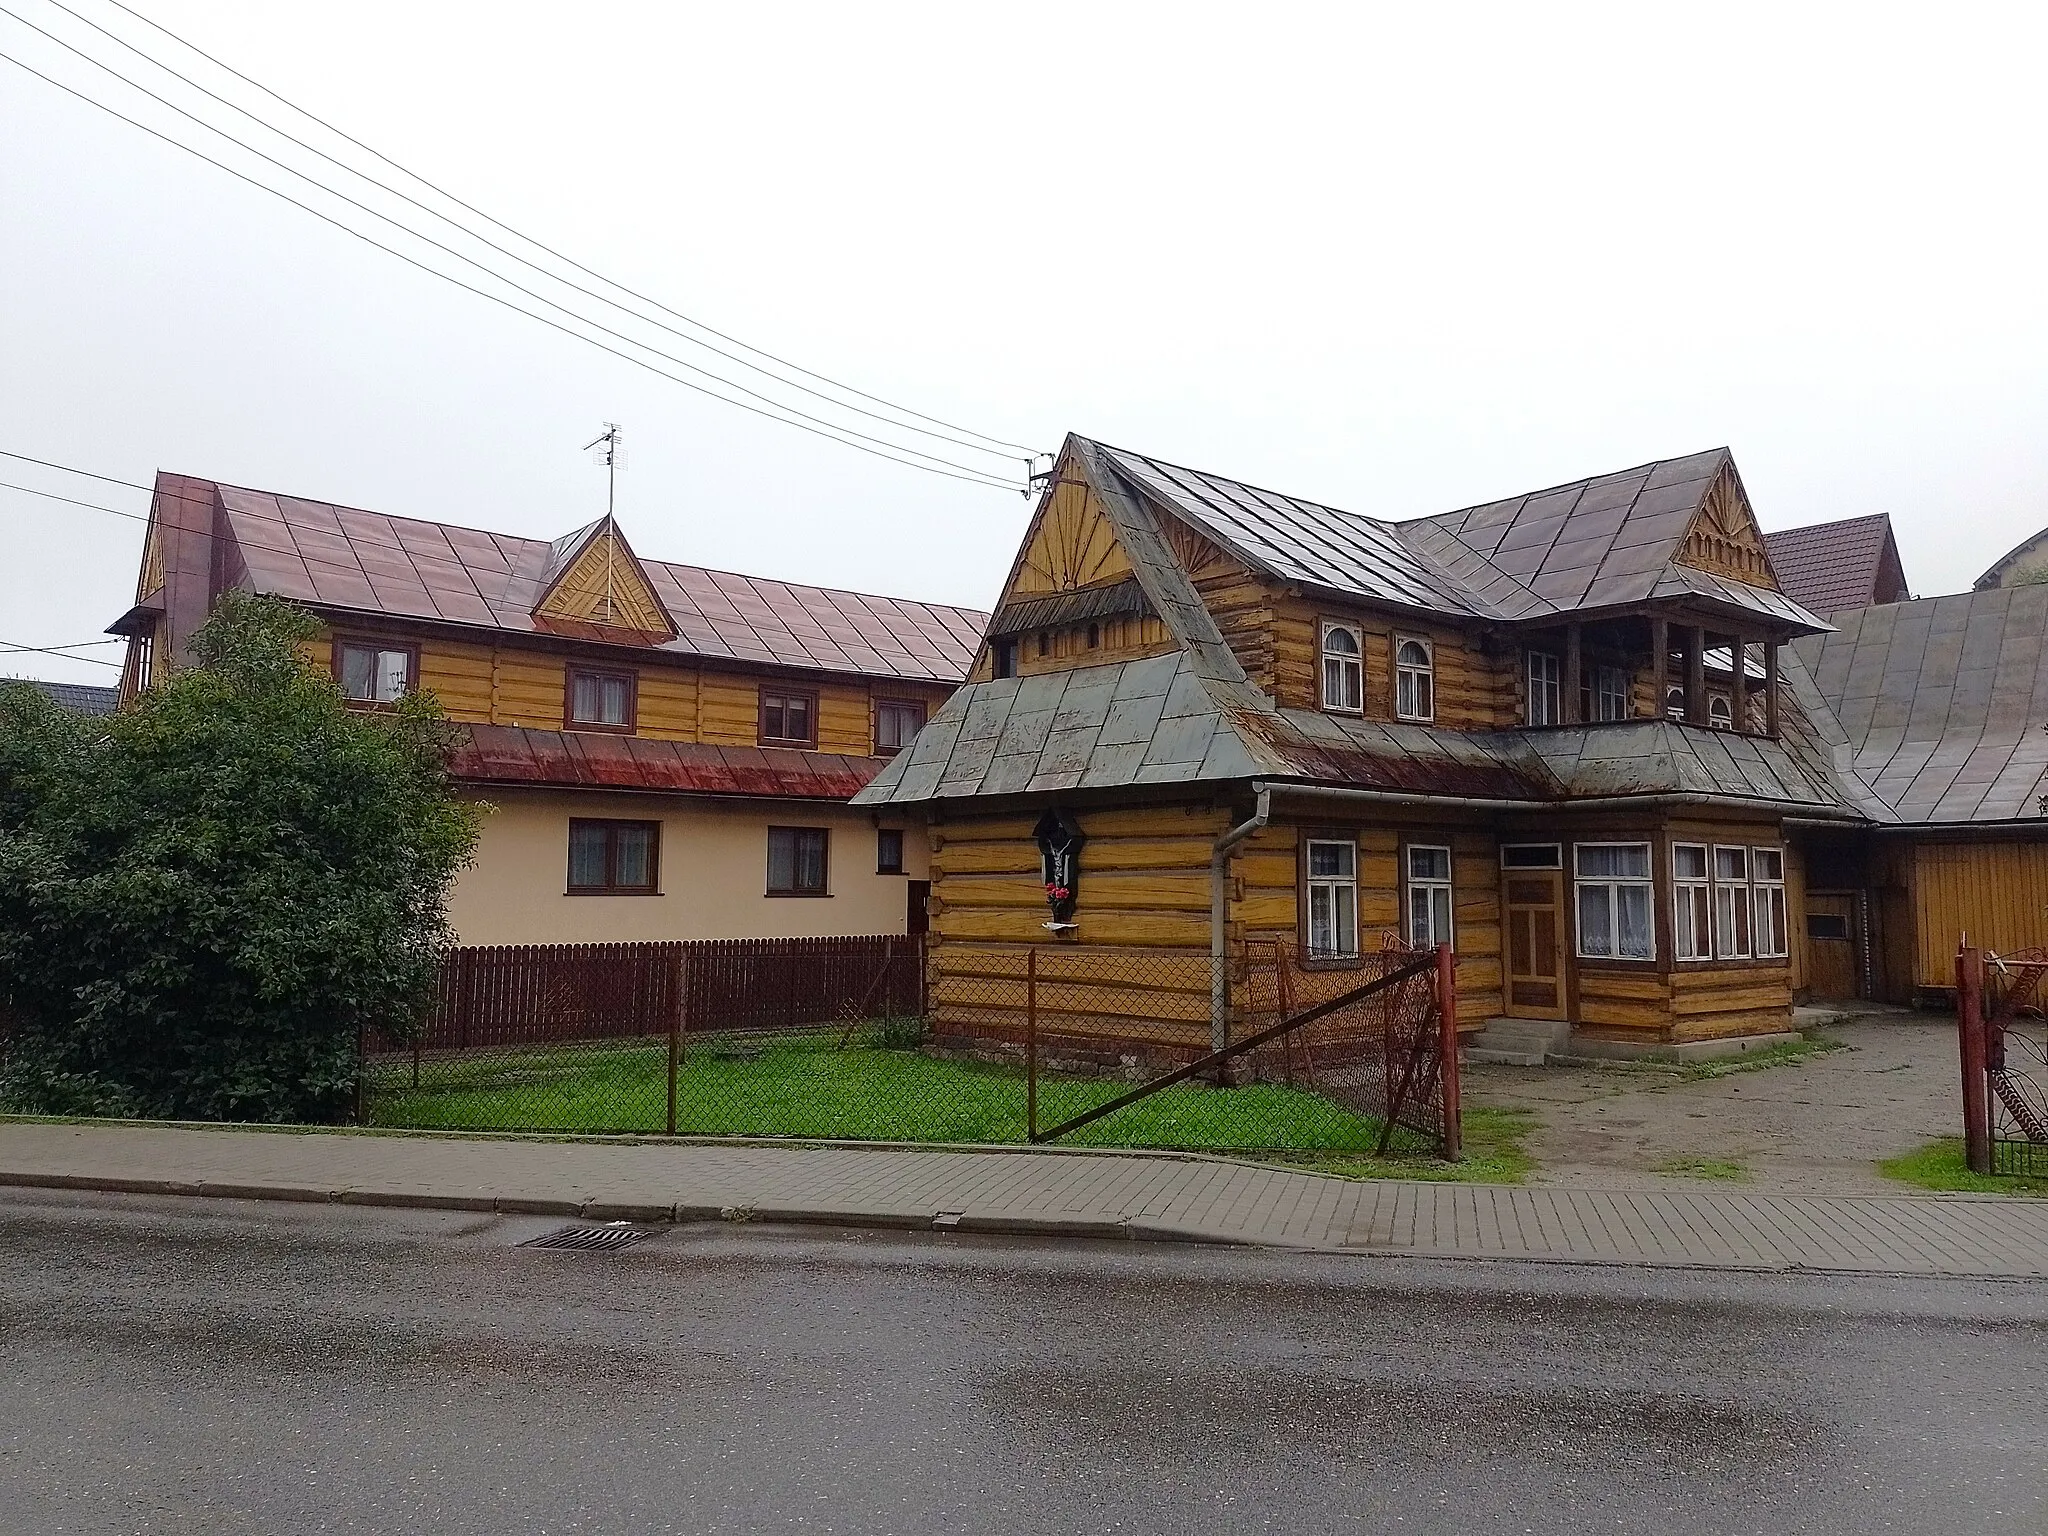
1219	863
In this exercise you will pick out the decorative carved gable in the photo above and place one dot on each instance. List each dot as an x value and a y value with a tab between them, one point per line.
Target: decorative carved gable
1724	537
1197	556
604	585
1073	544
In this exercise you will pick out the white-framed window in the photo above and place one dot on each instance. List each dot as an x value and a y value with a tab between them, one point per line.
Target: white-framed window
1767	886
1414	679
1332	880
1692	902
1674	702
1343	668
1614	901
1545	703
1610	693
1731	903
1429	895
1532	856
1720	713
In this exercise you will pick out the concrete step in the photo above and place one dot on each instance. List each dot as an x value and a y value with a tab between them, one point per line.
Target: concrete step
1512	1042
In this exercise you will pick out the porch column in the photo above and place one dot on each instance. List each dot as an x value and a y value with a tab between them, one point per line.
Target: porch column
1574	668
1738	653
1660	665
1695	675
1770	689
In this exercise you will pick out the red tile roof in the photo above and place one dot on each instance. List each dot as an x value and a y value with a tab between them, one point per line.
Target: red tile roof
1836	567
509	754
340	557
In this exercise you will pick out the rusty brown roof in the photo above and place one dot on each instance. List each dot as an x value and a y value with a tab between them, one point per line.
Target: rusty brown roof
1830	568
512	755
367	562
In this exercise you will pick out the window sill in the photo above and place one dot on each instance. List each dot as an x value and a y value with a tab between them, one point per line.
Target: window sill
1619	962
799	895
1333	963
607	890
788	746
593	727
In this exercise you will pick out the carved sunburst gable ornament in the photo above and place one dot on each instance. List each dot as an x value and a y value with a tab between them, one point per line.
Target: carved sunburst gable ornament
152	579
1071	543
1724	537
1197	556
603	584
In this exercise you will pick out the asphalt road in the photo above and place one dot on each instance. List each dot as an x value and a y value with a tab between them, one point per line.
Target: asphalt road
210	1366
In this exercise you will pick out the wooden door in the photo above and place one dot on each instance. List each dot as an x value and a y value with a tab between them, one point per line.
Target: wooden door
1832	970
1535	947
916	918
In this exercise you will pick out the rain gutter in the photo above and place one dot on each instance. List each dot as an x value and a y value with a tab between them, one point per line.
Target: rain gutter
1219	863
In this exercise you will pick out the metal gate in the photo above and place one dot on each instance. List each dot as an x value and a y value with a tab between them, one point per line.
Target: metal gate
2004	1036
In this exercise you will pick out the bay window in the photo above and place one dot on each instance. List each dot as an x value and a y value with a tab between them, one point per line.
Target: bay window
1614	901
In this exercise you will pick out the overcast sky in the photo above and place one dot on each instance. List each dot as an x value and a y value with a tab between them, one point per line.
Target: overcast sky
1400	259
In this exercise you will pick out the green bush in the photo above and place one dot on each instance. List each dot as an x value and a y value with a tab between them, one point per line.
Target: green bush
206	896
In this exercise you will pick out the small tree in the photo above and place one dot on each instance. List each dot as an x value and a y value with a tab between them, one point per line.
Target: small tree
207	897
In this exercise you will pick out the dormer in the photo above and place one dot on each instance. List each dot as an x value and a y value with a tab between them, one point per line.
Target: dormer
594	586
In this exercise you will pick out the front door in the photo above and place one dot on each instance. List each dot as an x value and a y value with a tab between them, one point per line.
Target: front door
916	918
1831	968
1535	958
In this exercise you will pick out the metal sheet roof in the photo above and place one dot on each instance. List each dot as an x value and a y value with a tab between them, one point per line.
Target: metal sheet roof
1829	568
1607	541
1940	701
507	754
80	698
341	557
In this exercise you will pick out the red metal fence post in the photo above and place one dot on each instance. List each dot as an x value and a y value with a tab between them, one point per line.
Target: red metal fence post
1031	1043
1447	1044
1970	1032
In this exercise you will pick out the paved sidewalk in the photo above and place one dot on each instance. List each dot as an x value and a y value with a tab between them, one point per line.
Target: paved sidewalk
1072	1194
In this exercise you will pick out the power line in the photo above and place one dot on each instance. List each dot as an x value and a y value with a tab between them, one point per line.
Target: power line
8	647
1002	451
834	428
67	469
517	234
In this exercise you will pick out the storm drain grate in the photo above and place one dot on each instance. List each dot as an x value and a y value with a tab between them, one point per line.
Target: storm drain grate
608	1238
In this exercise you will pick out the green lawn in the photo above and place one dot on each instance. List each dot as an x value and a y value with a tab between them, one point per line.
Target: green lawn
1939	1165
807	1087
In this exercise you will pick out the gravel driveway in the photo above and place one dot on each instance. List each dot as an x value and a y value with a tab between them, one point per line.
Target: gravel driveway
1816	1124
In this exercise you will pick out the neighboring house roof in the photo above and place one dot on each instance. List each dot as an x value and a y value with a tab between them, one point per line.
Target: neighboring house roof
1194	717
342	558
2022	560
1940	702
85	698
1832	567
513	755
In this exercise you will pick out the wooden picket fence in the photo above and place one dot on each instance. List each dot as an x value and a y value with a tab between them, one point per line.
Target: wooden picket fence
540	994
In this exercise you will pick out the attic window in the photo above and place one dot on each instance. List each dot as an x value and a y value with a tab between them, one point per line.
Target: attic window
1546	701
1343	669
1720	713
373	673
1674	703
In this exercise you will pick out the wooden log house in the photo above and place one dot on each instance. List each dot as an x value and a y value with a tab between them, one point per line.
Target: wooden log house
1581	734
668	750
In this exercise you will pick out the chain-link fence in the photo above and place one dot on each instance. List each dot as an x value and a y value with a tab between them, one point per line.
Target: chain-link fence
878	1039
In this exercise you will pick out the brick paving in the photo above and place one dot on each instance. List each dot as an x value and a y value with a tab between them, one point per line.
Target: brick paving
1059	1193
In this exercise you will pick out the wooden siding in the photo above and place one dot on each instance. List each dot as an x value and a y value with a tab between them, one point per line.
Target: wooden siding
1995	892
1125	638
677	700
1144	879
1474	691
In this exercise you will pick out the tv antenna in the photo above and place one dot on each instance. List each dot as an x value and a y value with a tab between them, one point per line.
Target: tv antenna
609	449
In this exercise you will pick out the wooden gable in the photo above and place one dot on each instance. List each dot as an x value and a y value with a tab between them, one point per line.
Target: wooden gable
1724	538
1071	543
151	581
603	584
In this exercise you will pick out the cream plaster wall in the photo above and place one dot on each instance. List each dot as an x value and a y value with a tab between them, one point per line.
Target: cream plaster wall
714	871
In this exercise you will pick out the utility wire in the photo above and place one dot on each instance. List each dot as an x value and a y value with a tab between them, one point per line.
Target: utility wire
539	245
61	652
471	261
1003	451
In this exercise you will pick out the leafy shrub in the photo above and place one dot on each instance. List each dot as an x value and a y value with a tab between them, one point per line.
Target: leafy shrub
206	897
